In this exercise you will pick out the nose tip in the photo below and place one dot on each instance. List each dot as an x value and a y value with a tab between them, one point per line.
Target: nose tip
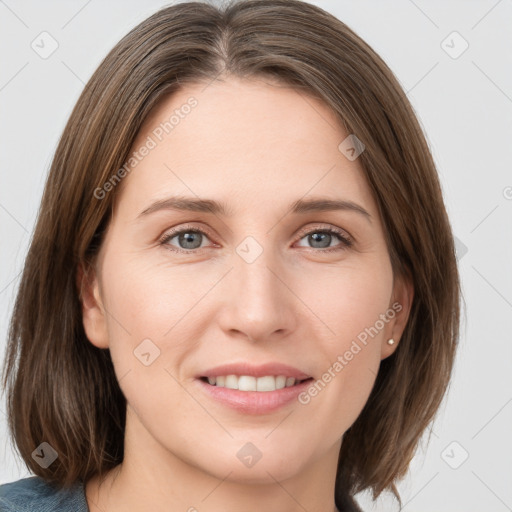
257	304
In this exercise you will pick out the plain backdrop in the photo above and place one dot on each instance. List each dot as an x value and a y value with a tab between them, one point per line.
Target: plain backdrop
463	98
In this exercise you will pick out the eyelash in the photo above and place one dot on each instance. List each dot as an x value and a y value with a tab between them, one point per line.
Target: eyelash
346	242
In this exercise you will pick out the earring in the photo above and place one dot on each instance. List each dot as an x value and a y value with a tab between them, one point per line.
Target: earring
391	341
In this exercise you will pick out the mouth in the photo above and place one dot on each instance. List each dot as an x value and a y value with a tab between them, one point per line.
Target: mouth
256	390
264	384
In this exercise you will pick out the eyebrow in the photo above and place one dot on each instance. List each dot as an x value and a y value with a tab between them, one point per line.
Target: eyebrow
301	206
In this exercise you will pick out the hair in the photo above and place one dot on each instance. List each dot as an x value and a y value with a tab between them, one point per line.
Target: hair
63	390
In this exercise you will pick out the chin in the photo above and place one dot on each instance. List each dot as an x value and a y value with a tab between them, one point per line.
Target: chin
273	464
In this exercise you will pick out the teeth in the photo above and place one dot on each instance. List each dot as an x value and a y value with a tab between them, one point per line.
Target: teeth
266	383
290	381
250	383
246	383
231	381
281	382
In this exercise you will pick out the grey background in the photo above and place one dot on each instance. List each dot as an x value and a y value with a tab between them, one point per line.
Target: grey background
465	107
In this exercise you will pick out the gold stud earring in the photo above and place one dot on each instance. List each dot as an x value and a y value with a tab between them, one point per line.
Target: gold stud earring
391	341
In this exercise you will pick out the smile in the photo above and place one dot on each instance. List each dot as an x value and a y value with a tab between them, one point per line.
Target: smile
250	383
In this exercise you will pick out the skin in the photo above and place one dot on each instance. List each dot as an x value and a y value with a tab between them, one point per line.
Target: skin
257	147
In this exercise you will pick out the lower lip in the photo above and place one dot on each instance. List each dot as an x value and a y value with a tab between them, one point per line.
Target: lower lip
254	402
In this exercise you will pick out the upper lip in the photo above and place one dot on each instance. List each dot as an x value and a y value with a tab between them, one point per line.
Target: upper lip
255	371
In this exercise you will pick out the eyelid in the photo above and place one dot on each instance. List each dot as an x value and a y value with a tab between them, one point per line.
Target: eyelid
172	232
326	227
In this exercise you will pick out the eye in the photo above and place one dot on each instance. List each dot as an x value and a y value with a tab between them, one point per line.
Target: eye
321	239
190	239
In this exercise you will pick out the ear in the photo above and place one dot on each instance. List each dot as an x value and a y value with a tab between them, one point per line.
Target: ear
399	309
93	312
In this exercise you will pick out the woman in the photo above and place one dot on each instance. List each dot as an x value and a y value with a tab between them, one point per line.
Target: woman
241	291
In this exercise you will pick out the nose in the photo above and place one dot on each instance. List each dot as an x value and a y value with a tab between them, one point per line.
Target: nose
258	303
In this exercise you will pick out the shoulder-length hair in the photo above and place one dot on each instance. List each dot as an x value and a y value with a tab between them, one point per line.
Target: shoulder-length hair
63	390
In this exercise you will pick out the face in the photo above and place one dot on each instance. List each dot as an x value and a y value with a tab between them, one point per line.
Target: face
265	277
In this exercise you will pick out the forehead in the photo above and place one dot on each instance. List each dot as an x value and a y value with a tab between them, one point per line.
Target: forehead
241	140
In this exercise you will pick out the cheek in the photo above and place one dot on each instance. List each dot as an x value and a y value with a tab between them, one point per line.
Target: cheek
155	317
148	333
348	299
351	302
149	297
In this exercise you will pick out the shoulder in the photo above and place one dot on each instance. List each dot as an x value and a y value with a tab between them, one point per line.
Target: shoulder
34	493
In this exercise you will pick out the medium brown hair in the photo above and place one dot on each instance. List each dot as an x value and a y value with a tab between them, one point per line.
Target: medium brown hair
63	390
